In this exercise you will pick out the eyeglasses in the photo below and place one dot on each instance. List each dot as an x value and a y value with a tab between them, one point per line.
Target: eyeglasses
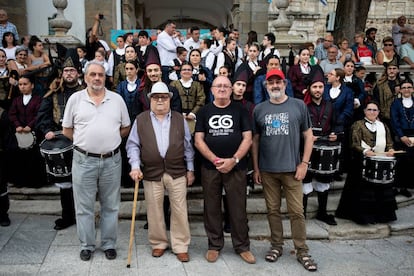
406	87
388	44
221	86
372	109
67	71
163	98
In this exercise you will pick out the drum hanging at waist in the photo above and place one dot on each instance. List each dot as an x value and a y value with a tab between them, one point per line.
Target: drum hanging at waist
379	169
325	158
58	153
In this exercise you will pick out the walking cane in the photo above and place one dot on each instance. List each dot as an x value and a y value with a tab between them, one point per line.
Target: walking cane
132	232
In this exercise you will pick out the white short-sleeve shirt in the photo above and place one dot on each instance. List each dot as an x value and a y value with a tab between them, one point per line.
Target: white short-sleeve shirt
96	128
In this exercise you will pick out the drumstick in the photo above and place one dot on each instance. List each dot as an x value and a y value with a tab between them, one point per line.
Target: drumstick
132	231
395	151
10	91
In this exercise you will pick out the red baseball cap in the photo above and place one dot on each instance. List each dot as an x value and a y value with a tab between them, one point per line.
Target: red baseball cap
275	72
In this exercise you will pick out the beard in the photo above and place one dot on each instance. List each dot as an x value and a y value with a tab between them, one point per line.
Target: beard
97	87
70	82
275	94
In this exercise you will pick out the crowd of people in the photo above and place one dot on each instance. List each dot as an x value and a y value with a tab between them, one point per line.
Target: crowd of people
207	111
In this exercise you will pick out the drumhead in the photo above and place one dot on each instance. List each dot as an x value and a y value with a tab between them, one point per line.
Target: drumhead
327	145
58	144
25	140
380	157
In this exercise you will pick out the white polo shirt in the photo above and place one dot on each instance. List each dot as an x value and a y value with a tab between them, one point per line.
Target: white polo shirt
96	129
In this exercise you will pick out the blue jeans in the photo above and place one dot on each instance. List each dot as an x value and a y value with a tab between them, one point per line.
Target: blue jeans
91	175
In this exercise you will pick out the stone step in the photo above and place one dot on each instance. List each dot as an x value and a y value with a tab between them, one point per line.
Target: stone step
258	224
196	191
45	201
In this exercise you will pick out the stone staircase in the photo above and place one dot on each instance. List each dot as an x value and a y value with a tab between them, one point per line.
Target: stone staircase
46	201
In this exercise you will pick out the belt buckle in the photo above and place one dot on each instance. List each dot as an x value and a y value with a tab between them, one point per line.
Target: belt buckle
102	156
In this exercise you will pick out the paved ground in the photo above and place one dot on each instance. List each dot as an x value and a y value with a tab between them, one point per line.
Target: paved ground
29	246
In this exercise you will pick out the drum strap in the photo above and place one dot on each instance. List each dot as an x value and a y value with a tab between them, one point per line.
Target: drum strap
380	139
322	119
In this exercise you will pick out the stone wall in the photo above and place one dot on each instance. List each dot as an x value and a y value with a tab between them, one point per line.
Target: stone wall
309	17
16	11
107	8
253	16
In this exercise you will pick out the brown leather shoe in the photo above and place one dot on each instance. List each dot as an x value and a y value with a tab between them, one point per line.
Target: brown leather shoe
183	257
158	252
212	255
248	257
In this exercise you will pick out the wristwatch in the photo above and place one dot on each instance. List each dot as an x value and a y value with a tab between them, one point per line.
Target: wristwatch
236	160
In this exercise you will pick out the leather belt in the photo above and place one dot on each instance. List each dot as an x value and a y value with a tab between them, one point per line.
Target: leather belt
98	155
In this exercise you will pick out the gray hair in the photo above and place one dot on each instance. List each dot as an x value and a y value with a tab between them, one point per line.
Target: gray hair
92	62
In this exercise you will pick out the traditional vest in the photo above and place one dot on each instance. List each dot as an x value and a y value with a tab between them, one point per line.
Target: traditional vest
386	97
60	99
321	121
154	166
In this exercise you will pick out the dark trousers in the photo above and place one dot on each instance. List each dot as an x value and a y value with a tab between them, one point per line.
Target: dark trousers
234	184
4	197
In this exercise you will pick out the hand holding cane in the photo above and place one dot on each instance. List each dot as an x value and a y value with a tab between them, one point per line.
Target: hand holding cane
132	231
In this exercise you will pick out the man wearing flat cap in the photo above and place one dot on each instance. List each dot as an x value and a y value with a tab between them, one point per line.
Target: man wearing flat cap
49	121
160	152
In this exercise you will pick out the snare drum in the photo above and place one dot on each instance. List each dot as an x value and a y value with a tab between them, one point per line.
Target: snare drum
325	158
379	169
26	140
58	153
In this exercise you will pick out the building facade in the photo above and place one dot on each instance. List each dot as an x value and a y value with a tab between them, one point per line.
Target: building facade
307	18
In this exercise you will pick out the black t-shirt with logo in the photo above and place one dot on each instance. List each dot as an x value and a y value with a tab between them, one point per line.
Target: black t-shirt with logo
223	128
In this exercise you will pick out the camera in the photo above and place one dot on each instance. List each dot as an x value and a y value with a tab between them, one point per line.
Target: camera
101	16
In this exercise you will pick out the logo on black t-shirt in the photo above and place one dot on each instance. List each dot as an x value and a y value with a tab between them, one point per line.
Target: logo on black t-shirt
221	125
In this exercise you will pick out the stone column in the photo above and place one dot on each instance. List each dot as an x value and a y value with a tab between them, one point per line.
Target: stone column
281	27
61	26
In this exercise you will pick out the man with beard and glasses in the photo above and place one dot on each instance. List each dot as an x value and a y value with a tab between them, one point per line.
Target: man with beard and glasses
279	124
96	119
49	122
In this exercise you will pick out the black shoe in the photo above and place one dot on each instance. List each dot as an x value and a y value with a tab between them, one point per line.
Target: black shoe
328	219
146	225
110	254
4	220
61	224
405	193
85	255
